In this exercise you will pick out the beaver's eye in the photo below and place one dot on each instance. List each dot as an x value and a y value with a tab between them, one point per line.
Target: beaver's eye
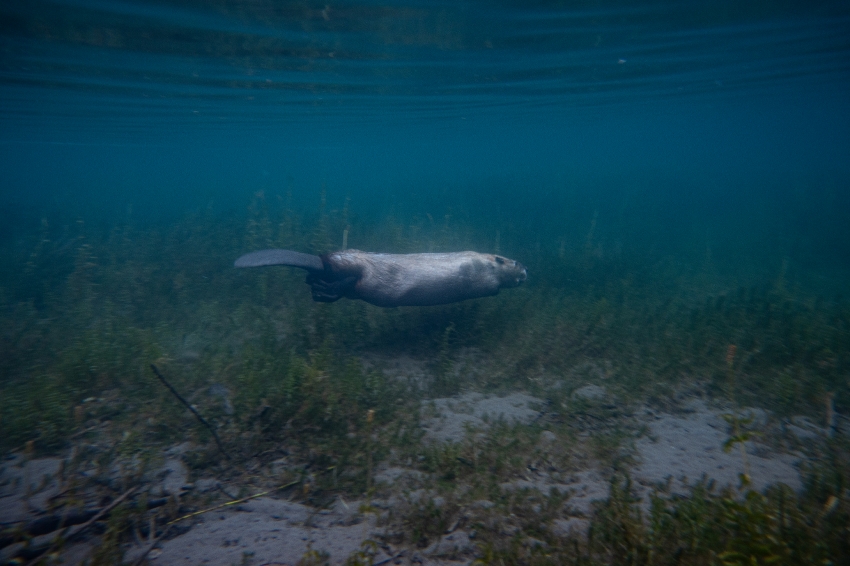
500	260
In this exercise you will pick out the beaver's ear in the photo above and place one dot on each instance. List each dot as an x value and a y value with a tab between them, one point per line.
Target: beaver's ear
500	260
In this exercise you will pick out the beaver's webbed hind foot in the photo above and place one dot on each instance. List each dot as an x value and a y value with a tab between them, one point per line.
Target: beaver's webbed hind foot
325	291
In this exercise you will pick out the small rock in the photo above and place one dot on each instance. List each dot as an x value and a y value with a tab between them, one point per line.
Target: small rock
547	437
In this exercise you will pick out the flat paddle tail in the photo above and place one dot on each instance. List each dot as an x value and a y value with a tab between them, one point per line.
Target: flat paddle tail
281	257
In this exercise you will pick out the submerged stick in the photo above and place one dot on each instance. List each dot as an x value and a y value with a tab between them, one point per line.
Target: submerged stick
244	499
194	412
235	502
67	535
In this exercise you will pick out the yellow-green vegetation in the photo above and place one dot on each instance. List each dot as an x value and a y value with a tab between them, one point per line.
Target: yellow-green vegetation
86	309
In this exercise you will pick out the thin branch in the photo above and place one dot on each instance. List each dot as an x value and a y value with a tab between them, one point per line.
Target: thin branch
236	502
244	499
194	412
67	535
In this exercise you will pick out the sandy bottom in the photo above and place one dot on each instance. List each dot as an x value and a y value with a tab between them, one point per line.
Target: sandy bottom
266	530
679	448
689	447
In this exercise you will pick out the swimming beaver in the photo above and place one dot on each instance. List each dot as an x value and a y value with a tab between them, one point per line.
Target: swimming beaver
397	280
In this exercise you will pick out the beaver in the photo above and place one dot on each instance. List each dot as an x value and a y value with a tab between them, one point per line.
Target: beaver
397	280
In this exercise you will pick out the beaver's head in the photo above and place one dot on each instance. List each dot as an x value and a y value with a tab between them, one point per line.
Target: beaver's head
511	273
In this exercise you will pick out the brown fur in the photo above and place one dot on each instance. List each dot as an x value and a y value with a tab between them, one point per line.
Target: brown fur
396	280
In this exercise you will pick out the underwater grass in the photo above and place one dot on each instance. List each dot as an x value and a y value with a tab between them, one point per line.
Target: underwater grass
85	310
703	527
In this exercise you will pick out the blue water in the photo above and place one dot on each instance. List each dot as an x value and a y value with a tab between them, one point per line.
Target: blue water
674	174
660	115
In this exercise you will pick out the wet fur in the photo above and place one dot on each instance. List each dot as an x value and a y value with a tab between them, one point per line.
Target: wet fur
394	280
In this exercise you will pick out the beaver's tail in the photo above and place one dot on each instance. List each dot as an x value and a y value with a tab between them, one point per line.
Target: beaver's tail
281	257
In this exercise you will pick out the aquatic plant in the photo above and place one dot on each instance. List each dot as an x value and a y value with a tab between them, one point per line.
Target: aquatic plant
84	311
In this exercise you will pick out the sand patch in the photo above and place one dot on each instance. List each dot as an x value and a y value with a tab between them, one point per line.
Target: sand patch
448	419
268	530
686	448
